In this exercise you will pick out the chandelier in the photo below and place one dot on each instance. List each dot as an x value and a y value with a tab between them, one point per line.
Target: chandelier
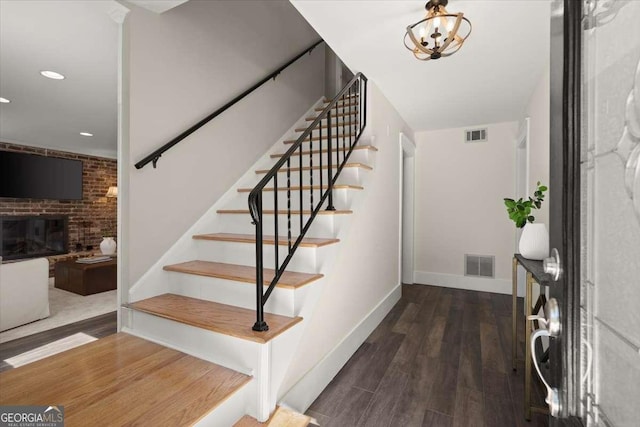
439	34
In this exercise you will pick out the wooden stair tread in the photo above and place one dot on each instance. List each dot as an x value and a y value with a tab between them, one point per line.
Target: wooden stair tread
281	417
242	273
306	188
284	212
317	138
216	317
125	380
307	242
306	168
326	126
333	150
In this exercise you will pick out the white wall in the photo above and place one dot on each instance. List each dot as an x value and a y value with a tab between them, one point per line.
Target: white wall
538	112
459	206
367	266
184	64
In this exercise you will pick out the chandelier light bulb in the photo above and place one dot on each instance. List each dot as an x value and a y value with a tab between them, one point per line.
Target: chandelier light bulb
450	24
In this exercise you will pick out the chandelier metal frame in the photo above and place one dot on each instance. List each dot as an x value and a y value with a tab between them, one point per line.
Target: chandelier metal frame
421	48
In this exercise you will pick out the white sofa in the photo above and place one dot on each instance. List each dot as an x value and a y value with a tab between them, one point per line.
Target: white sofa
24	292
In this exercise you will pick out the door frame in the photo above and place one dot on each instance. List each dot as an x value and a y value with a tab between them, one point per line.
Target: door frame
407	210
522	155
564	201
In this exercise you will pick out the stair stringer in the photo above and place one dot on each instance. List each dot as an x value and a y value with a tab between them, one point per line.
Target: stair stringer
283	354
325	266
155	281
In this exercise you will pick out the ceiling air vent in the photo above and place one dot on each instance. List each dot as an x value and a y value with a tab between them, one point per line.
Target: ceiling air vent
479	265
476	135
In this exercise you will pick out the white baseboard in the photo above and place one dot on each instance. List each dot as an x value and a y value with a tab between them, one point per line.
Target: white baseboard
305	391
499	286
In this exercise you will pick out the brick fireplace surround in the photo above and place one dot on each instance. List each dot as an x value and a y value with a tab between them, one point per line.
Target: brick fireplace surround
90	218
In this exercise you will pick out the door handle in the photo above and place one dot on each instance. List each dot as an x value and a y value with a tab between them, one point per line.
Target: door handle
553	395
553	265
550	328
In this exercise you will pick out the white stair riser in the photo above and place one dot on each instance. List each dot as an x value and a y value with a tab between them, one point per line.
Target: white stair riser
349	175
340	106
283	301
341	197
304	260
339	130
322	226
229	411
334	120
357	156
233	353
342	136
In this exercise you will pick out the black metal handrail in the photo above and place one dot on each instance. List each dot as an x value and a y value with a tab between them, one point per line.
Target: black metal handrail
349	103
155	156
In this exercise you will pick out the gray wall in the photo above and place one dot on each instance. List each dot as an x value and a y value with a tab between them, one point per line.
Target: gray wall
337	75
183	64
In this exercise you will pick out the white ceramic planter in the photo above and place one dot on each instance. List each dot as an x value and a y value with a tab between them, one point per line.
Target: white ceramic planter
108	246
534	241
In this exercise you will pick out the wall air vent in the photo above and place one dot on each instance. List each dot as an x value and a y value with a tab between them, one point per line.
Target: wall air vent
476	135
479	265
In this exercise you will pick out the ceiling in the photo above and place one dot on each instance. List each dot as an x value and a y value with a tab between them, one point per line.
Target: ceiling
77	39
489	80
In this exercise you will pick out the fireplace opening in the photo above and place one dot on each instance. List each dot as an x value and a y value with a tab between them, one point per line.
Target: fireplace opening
33	236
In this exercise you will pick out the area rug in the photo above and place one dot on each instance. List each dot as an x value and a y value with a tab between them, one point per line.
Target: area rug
50	349
65	308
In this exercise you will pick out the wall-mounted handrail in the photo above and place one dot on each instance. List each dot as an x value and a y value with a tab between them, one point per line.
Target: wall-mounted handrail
155	156
350	104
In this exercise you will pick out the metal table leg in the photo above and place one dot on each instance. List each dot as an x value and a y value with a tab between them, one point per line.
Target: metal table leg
514	313
527	338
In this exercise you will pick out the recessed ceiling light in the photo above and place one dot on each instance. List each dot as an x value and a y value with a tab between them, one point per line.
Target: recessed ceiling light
86	134
52	75
4	100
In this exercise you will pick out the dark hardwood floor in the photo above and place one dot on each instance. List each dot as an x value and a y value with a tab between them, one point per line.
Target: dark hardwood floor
441	357
97	327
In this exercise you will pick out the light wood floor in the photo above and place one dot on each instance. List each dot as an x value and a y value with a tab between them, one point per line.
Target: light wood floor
122	380
442	357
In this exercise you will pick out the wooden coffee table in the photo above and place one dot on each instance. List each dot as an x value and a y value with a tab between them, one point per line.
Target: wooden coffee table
86	279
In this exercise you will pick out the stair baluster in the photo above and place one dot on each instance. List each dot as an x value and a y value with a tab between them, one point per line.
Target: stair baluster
349	105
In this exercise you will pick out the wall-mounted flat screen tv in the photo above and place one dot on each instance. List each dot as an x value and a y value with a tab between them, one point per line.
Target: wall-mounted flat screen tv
30	176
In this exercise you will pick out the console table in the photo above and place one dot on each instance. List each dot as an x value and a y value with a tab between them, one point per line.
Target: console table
535	274
86	279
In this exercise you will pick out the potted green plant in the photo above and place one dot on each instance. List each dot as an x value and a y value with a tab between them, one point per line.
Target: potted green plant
534	241
520	210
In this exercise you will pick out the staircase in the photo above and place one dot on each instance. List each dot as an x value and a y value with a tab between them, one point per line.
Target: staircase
201	298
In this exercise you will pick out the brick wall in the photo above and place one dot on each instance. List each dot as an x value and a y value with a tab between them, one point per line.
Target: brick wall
90	218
